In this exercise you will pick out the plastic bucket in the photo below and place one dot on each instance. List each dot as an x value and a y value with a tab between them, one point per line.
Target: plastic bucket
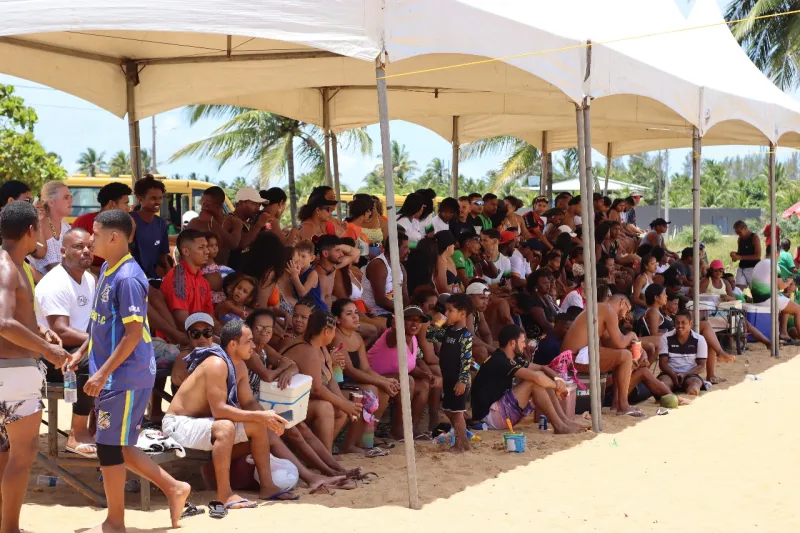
515	442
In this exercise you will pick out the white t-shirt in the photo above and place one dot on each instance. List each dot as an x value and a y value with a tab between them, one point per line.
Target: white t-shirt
519	265
572	299
503	265
412	230
53	254
577	220
439	224
57	294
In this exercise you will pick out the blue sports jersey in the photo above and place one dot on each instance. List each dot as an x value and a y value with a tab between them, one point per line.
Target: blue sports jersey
121	298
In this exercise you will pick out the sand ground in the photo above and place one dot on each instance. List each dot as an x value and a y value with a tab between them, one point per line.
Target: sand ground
728	462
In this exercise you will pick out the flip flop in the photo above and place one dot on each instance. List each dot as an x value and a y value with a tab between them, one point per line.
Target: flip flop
277	497
366	477
191	510
424	436
372	453
80	450
217	509
717	379
634	413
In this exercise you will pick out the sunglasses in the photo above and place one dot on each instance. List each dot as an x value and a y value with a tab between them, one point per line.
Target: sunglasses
197	333
478	202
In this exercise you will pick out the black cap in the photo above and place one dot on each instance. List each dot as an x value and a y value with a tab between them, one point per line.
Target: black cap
444	238
659	222
413	310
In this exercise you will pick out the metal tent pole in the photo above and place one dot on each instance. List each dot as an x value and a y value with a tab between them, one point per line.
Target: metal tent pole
697	149
543	178
398	323
608	169
131	81
454	171
589	266
773	254
326	127
666	185
336	187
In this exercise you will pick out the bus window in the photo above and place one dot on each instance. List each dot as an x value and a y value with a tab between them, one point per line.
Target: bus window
84	200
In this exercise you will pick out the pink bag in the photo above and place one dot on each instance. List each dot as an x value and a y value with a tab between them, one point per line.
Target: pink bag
564	366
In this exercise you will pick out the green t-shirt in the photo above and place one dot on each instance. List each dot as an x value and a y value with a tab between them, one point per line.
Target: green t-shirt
785	264
485	222
466	264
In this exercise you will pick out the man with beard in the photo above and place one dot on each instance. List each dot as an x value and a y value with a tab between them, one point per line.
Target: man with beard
212	219
248	204
332	255
495	398
64	299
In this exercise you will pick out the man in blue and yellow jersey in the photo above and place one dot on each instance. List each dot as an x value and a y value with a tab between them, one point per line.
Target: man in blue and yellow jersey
122	367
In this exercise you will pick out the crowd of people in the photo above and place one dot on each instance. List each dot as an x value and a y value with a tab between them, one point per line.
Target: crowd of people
493	305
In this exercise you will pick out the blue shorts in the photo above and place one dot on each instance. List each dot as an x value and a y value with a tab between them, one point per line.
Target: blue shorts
119	416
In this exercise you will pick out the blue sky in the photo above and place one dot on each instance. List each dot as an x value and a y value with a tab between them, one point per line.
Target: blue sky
68	125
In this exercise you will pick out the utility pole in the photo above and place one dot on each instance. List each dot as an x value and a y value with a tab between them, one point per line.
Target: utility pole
666	185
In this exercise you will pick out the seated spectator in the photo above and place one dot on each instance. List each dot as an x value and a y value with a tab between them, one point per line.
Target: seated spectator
421	264
150	246
760	289
359	213
241	298
653	322
554	262
328	409
544	310
576	259
555	219
383	360
655	237
212	219
213	272
682	355
512	309
185	289
409	216
521	268
448	210
445	278
496	399
378	283
200	329
681	270
615	355
491	240
302	273
64	300
576	297
714	284
251	219
359	374
535	223
466	257
643	280
348	283
215	409
462	223
549	346
482	342
114	195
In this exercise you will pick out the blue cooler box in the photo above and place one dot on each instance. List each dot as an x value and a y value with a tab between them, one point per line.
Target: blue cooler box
759	317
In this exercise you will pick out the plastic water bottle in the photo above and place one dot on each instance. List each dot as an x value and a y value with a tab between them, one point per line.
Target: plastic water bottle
70	386
49	481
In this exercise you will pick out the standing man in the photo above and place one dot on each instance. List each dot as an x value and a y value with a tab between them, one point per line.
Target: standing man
21	342
64	299
123	369
748	253
150	245
114	195
248	210
228	229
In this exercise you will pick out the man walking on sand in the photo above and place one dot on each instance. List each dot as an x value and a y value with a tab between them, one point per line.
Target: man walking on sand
122	367
21	342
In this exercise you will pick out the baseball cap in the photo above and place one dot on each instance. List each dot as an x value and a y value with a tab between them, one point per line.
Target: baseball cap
413	310
716	264
477	288
249	194
198	318
315	202
567	229
507	236
188	216
659	222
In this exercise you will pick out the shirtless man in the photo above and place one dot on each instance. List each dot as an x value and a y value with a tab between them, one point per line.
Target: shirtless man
332	255
215	409
21	342
615	355
227	228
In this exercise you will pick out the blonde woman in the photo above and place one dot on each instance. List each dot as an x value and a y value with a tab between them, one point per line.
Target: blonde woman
54	206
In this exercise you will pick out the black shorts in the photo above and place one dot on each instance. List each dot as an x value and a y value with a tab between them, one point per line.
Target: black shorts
453	403
682	388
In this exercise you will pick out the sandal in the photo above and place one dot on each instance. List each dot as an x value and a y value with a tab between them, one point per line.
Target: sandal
366	477
83	449
372	453
426	435
717	379
191	510
633	413
292	497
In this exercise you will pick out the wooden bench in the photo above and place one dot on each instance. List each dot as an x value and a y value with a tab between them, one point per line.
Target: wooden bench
56	463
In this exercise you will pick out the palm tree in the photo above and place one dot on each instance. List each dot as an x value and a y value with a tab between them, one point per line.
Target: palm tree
567	165
436	177
773	44
520	159
403	169
119	164
91	163
147	161
266	141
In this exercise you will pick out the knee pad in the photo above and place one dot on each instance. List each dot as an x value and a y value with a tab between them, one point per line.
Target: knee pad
109	455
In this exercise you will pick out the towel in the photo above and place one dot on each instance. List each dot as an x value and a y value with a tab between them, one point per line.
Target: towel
198	355
152	440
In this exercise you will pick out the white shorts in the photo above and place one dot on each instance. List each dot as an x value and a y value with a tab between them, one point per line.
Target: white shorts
21	382
195	433
783	301
744	276
583	356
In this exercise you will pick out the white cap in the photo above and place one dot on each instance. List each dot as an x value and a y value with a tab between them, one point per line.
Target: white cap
188	216
195	318
249	194
567	229
477	288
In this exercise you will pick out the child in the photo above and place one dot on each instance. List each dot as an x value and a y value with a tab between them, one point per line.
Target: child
455	358
213	272
301	269
242	295
448	208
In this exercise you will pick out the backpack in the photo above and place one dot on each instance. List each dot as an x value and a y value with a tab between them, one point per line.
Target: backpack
564	365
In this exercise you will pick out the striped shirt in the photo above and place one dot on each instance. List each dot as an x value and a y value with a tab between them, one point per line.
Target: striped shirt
682	357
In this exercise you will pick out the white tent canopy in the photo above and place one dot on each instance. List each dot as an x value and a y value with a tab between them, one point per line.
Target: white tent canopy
613	185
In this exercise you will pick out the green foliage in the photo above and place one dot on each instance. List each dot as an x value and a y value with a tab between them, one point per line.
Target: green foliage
709	234
22	157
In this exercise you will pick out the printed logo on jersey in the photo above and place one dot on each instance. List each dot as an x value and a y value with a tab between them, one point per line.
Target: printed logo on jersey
82	300
153	366
133	309
104	295
103	419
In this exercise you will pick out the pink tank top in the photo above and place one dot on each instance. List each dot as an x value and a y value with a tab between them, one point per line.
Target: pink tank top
383	359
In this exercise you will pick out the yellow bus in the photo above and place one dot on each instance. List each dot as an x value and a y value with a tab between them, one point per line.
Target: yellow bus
181	196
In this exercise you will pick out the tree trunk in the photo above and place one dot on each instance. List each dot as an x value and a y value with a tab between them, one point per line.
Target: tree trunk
290	171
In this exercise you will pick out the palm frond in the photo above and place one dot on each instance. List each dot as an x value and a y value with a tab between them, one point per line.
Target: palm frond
198	112
489	146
